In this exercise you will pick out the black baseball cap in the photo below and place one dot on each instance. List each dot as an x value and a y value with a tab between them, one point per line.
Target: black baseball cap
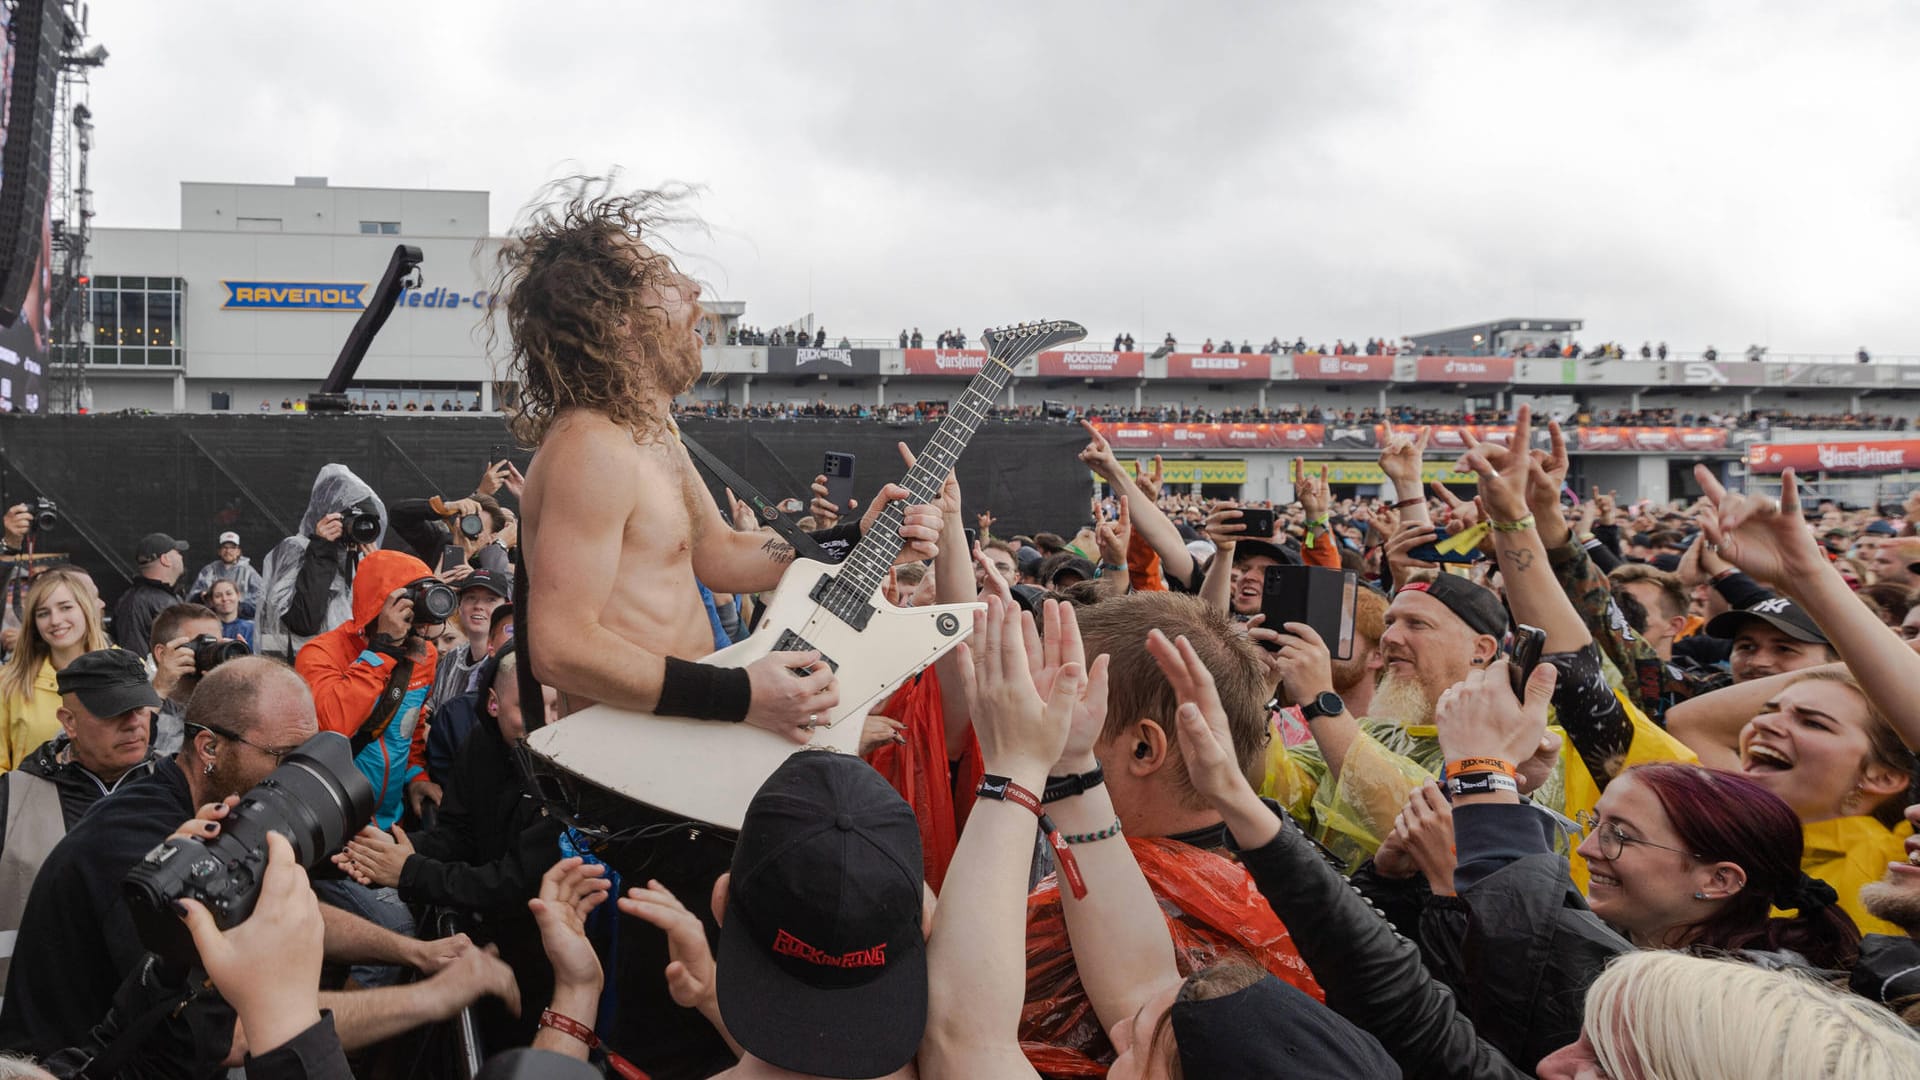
1247	549
154	545
1476	605
109	682
1776	611
822	965
493	581
1073	564
1272	1028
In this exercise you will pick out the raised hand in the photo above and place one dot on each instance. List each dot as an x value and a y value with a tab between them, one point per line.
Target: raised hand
1017	728
1311	490
1425	829
690	970
1480	717
1768	540
1224	526
1050	657
1548	472
569	891
1149	479
984	519
1400	561
1206	735
1461	514
1400	460
1098	454
1114	536
1505	471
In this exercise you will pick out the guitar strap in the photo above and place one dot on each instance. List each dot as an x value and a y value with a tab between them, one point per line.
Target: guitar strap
804	546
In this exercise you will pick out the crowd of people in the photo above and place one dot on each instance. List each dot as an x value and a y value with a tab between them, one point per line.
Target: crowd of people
1600	788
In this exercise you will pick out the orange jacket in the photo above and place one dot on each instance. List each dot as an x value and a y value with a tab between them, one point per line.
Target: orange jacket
347	679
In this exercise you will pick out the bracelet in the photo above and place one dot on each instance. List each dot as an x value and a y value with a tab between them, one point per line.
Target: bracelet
704	691
567	1025
1480	783
1725	574
1522	525
1101	570
1417	500
1066	787
1465	766
1003	789
1320	522
1107	833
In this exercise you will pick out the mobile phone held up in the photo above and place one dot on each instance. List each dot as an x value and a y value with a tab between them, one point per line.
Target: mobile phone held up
1523	655
1258	522
1432	553
838	468
1320	596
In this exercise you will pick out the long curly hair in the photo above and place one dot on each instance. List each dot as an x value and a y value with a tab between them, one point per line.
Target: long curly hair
580	280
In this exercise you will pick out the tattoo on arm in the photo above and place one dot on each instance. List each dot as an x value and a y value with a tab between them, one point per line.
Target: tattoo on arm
1520	559
778	551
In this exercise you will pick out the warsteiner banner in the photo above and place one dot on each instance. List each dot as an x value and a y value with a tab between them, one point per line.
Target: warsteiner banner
1881	455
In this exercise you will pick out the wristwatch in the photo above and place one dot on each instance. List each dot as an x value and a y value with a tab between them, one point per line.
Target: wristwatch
1327	703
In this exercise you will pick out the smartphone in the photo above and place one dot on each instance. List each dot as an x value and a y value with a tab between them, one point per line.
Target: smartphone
1259	523
1523	655
1432	553
973	537
838	468
1320	596
450	557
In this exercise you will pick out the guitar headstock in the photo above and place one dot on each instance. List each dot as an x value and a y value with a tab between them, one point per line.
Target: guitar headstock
1010	345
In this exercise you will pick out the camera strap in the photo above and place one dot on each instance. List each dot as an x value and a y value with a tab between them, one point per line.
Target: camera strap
384	709
804	546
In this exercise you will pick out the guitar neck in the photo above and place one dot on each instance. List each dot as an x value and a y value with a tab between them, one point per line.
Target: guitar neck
866	566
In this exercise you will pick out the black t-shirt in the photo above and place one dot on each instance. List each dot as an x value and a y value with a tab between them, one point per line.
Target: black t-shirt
77	941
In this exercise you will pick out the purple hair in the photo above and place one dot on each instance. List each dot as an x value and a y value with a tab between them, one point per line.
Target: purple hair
1725	817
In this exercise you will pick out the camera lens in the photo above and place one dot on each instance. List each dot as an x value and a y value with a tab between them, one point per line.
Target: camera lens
363	528
316	798
45	515
471	526
210	652
434	601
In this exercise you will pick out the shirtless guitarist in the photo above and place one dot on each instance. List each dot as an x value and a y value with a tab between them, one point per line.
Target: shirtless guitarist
616	527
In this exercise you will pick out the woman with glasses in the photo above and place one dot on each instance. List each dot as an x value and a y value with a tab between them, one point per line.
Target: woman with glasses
1683	857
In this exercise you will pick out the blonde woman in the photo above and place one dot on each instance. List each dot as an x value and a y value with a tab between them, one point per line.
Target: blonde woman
60	621
1668	1014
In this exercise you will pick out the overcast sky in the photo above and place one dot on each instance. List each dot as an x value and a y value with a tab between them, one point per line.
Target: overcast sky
1724	173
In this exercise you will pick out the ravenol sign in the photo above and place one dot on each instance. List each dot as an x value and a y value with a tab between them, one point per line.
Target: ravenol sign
294	296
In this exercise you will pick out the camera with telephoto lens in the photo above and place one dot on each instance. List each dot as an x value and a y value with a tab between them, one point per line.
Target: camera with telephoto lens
316	798
211	650
434	601
45	515
471	526
359	524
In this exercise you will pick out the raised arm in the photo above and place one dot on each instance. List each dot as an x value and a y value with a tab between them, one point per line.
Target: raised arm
1149	520
1771	541
1533	594
1400	460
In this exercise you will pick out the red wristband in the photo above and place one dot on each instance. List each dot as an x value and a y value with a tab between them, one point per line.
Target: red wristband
567	1025
1005	790
1404	503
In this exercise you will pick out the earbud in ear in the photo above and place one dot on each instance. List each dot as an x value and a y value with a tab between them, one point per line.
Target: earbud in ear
1141	750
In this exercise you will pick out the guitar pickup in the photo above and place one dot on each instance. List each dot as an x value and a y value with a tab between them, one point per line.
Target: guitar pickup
788	641
849	609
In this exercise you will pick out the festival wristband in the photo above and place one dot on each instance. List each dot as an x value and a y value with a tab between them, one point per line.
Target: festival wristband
1481	783
704	692
1463	766
1066	787
1519	525
567	1025
1418	500
1003	789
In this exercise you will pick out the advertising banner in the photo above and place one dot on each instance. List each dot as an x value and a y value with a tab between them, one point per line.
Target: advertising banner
1452	438
1092	365
1197	472
959	363
1219	366
1488	369
1884	455
1714	373
792	360
1649	438
1369	472
1830	375
1343	368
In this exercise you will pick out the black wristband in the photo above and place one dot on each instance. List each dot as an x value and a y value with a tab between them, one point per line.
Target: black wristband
1066	787
704	692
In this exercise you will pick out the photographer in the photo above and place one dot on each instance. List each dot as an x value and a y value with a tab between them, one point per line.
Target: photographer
78	944
480	593
309	577
370	677
472	531
177	668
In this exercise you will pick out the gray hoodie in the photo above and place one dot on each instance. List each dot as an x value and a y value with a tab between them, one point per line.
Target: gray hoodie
334	490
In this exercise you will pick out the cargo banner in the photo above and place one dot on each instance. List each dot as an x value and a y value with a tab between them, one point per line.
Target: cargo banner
789	360
1343	368
1886	455
958	363
1219	366
1149	436
1092	365
1194	472
1649	438
1487	369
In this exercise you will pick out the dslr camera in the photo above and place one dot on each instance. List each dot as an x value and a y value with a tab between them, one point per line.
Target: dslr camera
359	524
316	798
211	650
45	515
434	601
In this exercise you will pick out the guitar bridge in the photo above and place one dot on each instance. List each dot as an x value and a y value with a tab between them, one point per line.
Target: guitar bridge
788	641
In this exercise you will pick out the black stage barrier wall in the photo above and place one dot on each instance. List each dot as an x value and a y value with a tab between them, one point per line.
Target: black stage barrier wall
194	476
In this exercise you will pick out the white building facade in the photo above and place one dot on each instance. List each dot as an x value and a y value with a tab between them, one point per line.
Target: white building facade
247	304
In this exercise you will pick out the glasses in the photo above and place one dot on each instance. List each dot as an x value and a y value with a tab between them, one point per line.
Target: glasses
1613	840
276	755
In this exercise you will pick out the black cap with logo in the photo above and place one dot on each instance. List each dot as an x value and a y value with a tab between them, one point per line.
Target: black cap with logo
822	965
493	581
1476	605
1776	611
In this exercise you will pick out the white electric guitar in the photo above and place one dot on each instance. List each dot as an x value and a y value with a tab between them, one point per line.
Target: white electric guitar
708	771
